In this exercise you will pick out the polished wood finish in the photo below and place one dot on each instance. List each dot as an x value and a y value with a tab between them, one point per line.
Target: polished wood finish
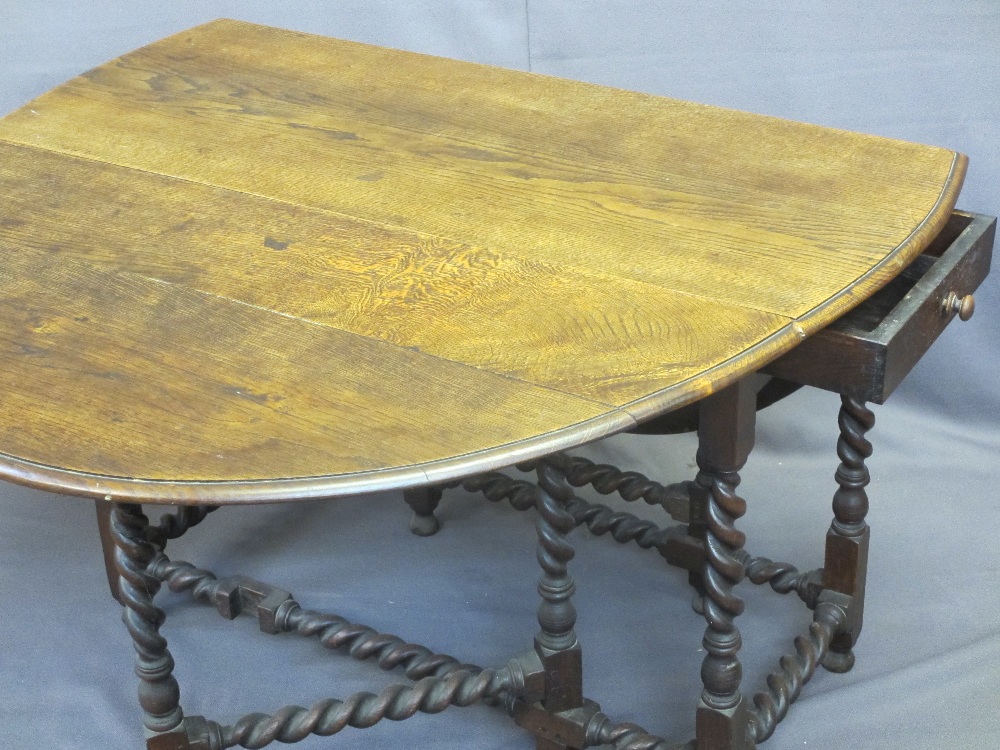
612	339
556	643
238	390
869	351
245	264
845	565
159	693
726	429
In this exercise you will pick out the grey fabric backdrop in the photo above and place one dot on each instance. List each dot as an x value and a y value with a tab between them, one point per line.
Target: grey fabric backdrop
927	674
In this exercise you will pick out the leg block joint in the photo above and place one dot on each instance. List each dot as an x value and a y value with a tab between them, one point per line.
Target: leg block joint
528	676
844	572
241	595
569	729
168	741
563	677
724	728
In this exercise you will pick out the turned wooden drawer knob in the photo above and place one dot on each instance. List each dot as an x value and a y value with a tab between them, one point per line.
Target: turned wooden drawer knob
964	306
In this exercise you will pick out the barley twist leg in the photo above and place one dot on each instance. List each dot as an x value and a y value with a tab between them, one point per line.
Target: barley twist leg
159	694
846	564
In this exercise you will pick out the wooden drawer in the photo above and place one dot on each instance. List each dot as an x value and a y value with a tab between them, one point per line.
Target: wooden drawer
868	351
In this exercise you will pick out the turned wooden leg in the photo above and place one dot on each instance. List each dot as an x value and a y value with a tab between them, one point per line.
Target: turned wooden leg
556	642
159	694
725	438
423	501
846	565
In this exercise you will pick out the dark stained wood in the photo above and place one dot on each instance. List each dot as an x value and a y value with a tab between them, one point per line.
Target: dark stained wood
423	501
685	419
723	729
726	427
159	693
845	565
869	351
171	741
726	424
107	545
565	730
556	643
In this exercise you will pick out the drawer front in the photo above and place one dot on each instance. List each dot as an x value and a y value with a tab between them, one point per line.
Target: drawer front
871	349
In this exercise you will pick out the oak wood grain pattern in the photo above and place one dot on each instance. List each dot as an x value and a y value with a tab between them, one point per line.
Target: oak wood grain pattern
601	337
130	377
649	188
565	259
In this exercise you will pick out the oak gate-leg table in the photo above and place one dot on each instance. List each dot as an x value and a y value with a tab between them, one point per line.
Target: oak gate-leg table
248	265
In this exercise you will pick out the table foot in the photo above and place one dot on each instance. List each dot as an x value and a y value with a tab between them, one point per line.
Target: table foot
846	562
423	501
838	662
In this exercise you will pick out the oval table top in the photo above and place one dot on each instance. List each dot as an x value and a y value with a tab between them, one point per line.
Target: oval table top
245	264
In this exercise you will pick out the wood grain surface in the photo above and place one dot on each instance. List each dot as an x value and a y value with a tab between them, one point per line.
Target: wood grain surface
435	266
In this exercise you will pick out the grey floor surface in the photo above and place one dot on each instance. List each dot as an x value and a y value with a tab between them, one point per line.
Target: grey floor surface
928	664
928	669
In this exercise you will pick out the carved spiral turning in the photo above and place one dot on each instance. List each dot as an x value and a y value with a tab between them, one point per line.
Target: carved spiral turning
174	525
631	737
183	576
783	577
725	570
363	642
132	556
430	695
854	420
796	670
551	496
850	503
606	479
556	614
623	527
360	641
721	671
159	694
554	522
599	519
496	487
